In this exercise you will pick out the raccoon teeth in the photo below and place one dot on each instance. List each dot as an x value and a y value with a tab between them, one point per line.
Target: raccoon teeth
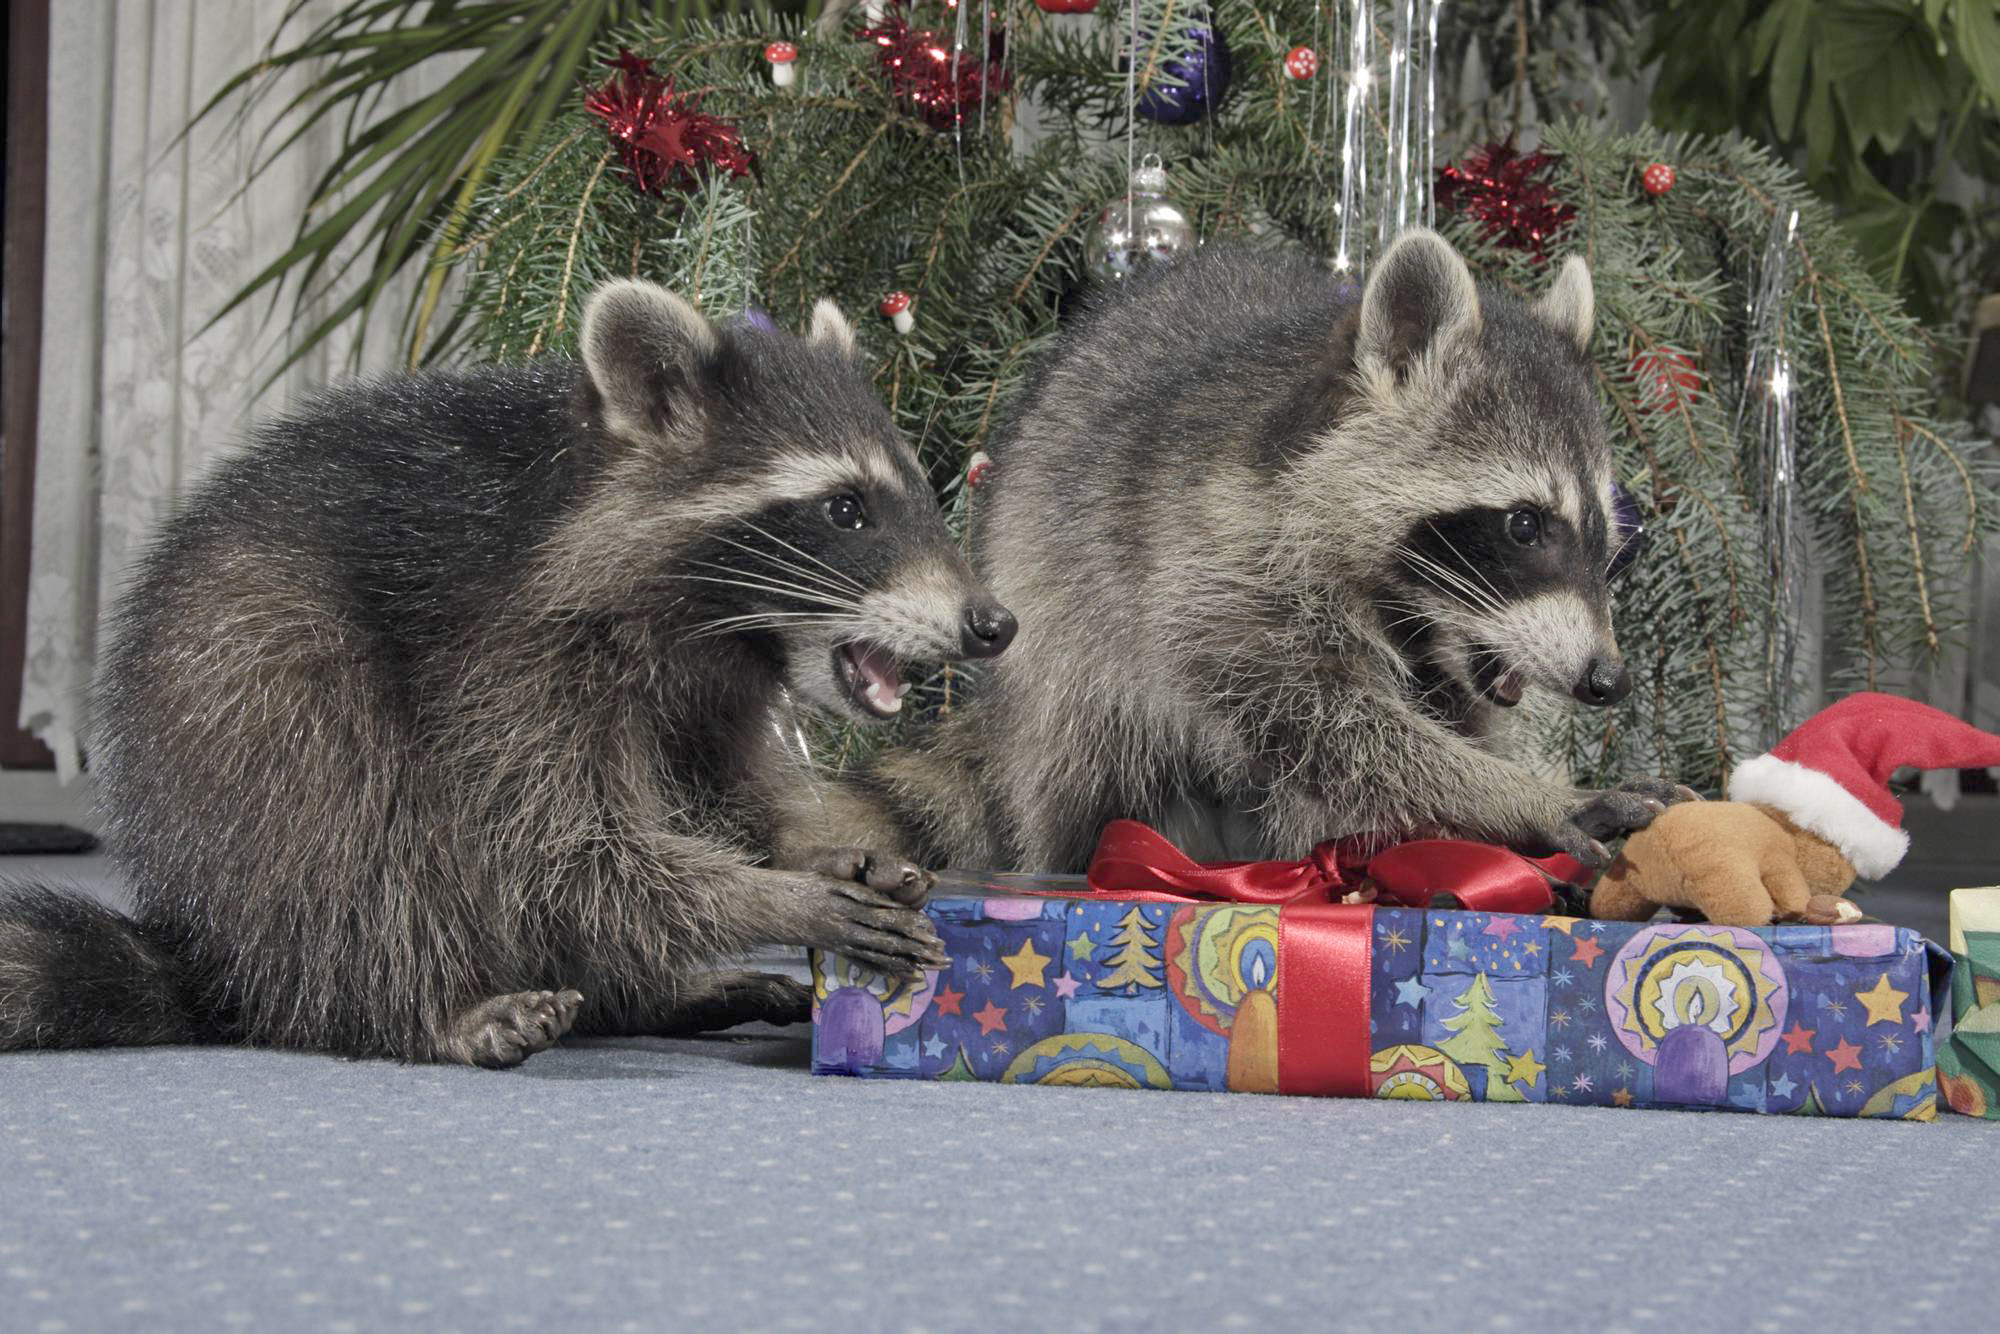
902	689
1508	689
873	676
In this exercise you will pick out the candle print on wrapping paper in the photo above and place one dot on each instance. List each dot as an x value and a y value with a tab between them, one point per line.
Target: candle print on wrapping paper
1829	1020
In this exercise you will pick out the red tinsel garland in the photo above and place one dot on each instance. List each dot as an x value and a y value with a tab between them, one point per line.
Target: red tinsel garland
919	68
1509	193
663	138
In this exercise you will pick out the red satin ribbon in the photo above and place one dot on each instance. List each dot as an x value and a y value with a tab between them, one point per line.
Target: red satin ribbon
1133	859
1325	967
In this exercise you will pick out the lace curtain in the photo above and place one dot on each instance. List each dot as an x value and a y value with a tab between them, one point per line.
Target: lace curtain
148	236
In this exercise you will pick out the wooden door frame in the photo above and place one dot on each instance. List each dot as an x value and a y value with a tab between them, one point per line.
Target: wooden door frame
21	354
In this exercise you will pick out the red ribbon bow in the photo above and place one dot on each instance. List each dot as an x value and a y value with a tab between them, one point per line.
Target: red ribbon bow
1133	859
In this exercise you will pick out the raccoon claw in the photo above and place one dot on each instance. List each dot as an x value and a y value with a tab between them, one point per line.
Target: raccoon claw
878	932
1665	792
1570	841
902	881
503	1031
1618	811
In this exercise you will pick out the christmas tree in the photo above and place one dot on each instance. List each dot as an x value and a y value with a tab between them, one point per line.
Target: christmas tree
1132	964
1771	405
1475	1042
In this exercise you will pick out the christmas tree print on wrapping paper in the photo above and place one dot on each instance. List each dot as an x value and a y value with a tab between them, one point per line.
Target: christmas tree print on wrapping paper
1115	988
1134	964
1476	1042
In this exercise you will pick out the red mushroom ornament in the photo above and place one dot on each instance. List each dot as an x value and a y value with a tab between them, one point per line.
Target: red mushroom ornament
782	55
895	308
1302	63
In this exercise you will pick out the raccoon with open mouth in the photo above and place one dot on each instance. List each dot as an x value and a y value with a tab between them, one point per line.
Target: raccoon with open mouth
1282	557
452	714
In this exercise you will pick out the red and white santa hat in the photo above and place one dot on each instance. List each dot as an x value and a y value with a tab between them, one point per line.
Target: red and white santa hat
1831	775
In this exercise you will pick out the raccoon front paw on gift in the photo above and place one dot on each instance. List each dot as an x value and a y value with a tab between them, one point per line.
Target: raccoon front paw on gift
846	915
902	880
1598	817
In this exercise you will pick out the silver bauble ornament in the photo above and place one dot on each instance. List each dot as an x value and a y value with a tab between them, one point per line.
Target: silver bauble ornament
1134	231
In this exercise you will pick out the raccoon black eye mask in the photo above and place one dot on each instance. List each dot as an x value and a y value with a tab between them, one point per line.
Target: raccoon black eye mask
450	715
1285	571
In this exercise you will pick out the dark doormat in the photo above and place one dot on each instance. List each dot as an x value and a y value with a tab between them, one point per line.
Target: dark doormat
44	839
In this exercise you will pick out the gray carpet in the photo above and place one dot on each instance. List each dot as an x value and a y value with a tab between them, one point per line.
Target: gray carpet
715	1184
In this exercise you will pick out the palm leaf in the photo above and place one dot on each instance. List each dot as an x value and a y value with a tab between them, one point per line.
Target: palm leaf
402	181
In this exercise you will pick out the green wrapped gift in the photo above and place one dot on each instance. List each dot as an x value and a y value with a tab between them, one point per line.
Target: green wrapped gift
1969	1063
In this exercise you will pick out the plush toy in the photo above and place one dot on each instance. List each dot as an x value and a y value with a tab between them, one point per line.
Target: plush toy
1803	820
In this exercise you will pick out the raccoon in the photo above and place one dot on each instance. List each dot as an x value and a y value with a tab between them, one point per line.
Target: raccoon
452	715
1284	553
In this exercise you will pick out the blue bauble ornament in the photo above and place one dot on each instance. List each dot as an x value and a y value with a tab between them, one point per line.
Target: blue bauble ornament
1202	75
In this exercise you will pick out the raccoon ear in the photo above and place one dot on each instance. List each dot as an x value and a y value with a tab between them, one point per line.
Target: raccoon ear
643	347
1569	304
1420	296
830	328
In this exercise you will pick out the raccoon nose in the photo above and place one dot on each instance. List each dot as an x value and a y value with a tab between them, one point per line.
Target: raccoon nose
988	629
1603	682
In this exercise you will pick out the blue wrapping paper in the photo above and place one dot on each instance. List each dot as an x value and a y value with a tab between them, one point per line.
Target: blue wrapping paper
1833	1021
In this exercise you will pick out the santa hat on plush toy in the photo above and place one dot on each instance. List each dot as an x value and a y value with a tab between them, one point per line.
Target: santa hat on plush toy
1831	775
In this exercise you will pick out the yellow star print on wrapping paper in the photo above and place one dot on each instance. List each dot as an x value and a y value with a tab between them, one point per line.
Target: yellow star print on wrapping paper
1028	965
1525	1069
1884	1002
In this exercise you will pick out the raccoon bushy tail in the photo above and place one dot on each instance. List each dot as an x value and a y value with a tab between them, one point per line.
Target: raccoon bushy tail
74	973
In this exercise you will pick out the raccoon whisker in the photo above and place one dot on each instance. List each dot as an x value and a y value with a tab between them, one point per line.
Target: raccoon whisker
800	595
778	620
1453	584
838	574
799	591
780	575
1450	582
772	617
844	583
1466	567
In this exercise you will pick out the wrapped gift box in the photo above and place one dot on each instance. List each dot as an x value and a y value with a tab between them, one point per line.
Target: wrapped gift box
1969	1059
1397	1003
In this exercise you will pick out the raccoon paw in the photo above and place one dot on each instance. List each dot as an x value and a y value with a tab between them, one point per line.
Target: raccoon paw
1625	809
1665	791
876	931
902	881
724	1000
504	1031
